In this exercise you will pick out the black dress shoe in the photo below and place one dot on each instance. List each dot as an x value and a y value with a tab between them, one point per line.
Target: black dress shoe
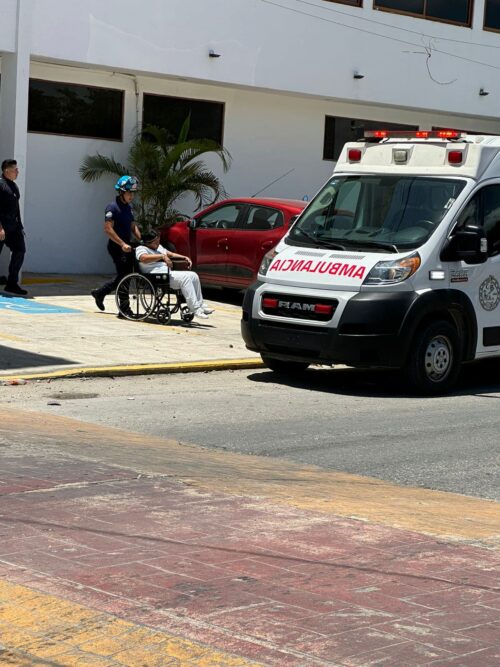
99	298
15	289
3	280
125	314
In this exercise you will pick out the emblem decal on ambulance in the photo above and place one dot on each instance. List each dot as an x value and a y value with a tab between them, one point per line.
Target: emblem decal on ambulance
489	293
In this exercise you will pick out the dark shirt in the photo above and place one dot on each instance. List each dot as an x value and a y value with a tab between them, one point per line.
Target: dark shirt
122	216
10	214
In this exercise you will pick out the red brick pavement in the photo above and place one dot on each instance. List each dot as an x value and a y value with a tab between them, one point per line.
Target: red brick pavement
272	583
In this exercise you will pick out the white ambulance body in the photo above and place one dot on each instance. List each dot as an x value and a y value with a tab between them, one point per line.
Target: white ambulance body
394	263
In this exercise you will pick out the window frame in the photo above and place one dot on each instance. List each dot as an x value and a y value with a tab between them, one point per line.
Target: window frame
350	3
82	136
485	27
402	12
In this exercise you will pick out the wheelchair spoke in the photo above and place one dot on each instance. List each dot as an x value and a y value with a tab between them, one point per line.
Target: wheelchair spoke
135	297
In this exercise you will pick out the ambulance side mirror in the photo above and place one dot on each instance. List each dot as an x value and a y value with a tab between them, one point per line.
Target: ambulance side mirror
468	245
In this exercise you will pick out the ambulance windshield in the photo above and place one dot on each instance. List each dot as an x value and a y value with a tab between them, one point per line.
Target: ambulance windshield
379	212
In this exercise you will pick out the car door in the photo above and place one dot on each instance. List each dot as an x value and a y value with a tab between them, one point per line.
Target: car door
258	231
212	238
482	281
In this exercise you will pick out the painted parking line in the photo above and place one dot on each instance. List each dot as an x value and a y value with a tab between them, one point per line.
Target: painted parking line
30	307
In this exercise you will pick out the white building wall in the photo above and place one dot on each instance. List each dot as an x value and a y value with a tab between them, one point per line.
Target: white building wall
8	13
280	73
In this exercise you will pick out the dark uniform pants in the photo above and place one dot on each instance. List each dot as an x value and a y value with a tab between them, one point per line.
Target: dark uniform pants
14	240
124	263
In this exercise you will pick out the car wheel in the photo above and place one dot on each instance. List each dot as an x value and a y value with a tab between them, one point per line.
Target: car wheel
284	367
434	361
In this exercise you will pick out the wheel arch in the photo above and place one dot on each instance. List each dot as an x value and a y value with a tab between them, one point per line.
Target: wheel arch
451	305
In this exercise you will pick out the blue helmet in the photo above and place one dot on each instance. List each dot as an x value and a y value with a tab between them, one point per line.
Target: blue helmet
127	184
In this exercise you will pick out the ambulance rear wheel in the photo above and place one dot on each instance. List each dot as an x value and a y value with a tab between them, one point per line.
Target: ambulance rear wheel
434	361
284	367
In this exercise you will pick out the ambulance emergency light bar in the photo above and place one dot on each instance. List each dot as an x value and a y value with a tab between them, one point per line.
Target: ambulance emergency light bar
414	134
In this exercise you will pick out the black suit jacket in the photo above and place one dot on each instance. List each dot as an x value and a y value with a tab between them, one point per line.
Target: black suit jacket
10	214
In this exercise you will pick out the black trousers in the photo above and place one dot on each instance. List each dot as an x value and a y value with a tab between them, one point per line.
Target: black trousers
124	264
14	240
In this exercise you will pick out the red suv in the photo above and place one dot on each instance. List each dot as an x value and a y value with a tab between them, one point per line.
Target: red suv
228	240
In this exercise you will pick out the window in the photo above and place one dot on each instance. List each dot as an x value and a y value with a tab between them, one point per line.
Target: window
263	218
207	118
492	15
448	11
484	210
340	130
224	217
74	110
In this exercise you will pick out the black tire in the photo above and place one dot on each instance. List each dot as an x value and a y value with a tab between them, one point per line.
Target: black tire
135	297
186	315
164	316
284	367
435	358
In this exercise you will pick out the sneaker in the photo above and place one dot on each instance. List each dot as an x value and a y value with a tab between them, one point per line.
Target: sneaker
15	289
99	298
206	309
199	312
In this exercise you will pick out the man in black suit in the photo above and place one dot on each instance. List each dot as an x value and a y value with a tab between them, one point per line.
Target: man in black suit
11	226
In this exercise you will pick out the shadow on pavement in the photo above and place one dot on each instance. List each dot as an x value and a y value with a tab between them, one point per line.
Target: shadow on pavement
11	358
482	377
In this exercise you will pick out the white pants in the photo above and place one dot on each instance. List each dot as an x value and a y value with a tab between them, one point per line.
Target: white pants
188	283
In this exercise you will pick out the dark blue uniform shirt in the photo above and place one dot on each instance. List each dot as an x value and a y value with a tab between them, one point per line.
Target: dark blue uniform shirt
122	216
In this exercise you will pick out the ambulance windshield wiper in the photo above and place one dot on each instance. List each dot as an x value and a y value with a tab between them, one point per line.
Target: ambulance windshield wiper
319	242
363	243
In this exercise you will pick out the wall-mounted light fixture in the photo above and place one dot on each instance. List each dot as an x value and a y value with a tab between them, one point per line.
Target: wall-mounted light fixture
212	54
357	75
483	92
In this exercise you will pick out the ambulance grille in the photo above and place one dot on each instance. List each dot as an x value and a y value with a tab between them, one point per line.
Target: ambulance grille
313	309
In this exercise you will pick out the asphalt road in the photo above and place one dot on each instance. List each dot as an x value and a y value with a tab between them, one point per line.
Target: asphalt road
354	421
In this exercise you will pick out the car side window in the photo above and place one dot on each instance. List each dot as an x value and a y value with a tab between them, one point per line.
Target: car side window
224	217
262	218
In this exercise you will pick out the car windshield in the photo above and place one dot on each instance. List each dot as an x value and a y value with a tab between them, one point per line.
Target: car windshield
383	213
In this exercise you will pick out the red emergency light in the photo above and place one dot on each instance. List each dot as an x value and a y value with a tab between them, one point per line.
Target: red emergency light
455	157
268	302
323	309
354	155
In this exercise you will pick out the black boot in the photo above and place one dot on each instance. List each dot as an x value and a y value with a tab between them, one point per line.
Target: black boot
15	289
99	298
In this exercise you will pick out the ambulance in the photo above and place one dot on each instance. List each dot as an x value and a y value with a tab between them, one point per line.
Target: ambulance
394	263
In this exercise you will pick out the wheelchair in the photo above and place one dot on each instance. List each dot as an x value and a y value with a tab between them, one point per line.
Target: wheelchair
149	295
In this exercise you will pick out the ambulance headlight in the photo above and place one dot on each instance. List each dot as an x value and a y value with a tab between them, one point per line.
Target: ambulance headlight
266	262
391	272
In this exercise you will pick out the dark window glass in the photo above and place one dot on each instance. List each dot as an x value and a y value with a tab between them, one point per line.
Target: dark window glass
207	118
224	217
456	11
492	14
339	131
260	218
354	3
491	217
412	6
453	11
80	111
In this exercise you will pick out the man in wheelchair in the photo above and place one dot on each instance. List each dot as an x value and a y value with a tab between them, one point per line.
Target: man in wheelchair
153	258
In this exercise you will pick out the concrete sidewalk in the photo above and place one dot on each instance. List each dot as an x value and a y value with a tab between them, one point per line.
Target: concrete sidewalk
59	331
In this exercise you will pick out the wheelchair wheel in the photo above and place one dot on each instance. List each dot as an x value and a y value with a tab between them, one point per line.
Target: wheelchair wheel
138	292
164	316
186	315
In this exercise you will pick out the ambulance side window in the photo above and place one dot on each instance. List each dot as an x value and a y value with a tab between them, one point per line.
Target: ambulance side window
491	217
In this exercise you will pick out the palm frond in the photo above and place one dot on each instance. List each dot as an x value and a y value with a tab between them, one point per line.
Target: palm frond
95	166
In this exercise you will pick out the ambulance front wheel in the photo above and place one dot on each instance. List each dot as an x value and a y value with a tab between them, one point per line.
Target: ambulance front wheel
284	367
435	357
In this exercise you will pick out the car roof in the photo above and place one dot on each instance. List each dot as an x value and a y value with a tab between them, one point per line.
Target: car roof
289	204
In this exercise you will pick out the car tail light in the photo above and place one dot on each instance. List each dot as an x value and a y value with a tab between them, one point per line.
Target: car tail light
354	155
455	157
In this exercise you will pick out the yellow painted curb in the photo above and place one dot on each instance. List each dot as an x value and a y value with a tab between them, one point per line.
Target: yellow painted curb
37	628
140	369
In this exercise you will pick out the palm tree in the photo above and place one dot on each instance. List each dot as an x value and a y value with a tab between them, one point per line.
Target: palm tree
166	170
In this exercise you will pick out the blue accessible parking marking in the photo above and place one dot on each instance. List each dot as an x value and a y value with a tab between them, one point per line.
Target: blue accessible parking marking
30	307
